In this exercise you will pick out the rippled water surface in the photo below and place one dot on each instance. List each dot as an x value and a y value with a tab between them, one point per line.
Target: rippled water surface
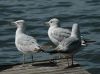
36	12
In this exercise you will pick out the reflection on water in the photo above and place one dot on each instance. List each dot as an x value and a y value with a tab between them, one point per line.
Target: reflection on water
36	12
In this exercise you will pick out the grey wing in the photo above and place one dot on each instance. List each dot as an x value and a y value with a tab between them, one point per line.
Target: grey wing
74	45
69	44
28	43
60	33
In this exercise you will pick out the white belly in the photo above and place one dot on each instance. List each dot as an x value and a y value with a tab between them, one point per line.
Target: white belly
50	34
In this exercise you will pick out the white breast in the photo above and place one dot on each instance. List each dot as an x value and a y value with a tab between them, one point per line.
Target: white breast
51	36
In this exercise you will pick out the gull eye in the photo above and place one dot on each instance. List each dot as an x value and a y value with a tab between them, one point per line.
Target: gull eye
51	21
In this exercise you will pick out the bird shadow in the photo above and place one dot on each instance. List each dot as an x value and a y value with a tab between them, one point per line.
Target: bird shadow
48	64
45	64
4	67
72	66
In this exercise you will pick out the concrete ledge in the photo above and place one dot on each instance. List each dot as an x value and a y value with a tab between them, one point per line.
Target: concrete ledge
43	67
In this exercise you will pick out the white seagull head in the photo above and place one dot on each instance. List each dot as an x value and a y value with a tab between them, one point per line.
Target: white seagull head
53	22
19	23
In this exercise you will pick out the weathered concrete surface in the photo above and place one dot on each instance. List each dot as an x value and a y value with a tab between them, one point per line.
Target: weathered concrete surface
44	68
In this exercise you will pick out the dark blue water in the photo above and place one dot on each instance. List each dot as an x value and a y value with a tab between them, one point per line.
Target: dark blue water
36	12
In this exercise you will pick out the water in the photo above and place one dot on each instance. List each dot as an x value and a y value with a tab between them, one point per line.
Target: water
36	12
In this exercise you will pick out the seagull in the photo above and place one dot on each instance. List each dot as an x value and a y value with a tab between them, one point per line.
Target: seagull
25	43
69	46
56	33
